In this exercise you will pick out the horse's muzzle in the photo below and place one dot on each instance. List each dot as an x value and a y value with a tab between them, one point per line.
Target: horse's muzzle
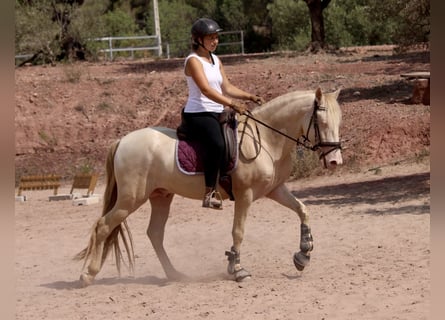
331	159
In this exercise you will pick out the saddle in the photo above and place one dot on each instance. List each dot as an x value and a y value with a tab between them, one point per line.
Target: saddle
189	152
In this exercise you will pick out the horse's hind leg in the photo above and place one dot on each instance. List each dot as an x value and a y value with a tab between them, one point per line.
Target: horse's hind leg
283	196
160	209
102	230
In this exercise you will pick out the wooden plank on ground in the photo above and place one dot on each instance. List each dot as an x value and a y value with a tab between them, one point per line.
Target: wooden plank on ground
416	75
39	182
85	181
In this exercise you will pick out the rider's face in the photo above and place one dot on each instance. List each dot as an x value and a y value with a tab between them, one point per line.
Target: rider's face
211	41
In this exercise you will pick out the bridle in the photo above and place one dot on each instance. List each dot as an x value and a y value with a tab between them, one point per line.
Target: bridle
303	140
319	144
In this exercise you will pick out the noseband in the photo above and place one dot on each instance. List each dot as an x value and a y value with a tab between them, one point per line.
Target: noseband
306	142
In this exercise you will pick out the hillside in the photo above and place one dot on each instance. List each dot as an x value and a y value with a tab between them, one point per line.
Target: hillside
67	115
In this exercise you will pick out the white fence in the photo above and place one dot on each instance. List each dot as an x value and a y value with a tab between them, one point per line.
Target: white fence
146	40
112	49
240	42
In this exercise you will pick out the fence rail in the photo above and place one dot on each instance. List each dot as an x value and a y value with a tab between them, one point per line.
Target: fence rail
132	49
113	48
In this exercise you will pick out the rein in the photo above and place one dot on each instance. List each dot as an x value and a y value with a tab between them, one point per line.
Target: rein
306	142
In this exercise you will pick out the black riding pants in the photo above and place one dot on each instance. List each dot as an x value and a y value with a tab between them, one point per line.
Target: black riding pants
205	127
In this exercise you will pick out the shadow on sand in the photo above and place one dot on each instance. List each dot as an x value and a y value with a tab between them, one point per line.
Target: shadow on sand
392	190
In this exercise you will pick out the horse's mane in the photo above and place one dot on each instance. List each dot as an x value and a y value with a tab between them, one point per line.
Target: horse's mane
329	100
282	100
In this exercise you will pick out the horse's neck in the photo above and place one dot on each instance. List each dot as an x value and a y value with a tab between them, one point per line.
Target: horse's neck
286	114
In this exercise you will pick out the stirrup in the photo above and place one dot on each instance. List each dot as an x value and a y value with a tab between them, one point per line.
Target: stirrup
213	204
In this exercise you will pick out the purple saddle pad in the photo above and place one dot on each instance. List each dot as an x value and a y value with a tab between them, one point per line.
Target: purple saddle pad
189	157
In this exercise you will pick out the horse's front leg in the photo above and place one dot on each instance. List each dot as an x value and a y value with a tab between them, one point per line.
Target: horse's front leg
283	196
234	268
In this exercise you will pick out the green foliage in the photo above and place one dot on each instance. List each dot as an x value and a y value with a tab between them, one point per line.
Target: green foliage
102	23
233	12
250	16
346	24
35	31
371	22
53	27
290	24
87	21
118	23
382	19
305	163
412	24
176	19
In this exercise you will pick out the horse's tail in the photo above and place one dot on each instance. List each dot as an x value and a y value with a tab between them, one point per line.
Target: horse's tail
112	241
110	194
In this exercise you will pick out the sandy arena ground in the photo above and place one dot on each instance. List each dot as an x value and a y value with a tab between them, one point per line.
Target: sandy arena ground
370	261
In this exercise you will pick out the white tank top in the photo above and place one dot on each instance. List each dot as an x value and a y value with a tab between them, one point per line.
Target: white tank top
198	102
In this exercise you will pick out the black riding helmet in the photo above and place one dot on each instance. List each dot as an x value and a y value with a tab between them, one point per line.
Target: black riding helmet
201	28
204	26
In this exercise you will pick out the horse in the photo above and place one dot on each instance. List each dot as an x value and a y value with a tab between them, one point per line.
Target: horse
141	166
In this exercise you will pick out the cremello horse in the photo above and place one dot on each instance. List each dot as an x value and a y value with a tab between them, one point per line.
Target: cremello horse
141	166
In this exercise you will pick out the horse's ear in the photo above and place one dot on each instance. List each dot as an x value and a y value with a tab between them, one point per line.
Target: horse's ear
318	95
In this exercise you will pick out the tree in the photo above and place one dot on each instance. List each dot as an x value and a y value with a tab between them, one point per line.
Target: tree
347	23
55	30
43	29
290	25
316	8
176	19
409	20
36	31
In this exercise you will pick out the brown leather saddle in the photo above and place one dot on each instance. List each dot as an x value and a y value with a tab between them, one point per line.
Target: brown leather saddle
189	152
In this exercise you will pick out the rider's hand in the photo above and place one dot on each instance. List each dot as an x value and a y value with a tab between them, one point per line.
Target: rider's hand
257	99
238	107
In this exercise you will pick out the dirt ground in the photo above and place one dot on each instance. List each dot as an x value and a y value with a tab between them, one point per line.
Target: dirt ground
370	220
68	115
371	256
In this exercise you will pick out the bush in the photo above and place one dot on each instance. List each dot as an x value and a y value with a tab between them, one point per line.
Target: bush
290	24
57	29
305	163
176	22
35	31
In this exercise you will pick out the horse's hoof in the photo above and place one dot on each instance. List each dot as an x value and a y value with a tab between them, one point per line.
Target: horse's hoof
86	280
242	275
301	260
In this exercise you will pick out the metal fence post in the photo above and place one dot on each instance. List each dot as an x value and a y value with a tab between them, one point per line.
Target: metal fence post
242	41
110	44
168	50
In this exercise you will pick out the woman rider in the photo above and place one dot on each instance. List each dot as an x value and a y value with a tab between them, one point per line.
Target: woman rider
209	92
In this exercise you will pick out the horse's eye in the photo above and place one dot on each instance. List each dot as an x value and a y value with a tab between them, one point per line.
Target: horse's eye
320	108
